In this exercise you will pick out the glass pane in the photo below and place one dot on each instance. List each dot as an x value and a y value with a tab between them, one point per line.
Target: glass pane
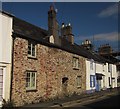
28	75
33	80
29	48
27	84
33	51
28	80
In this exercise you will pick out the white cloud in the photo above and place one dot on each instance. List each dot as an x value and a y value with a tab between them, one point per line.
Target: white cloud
110	37
113	36
110	11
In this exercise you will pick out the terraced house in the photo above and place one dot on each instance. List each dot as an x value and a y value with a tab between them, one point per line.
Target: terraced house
45	65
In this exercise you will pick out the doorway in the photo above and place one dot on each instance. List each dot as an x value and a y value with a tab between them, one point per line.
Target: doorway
65	86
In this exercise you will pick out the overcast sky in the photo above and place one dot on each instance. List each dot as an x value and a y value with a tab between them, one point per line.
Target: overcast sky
96	21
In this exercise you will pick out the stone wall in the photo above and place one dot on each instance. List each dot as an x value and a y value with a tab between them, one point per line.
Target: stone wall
51	65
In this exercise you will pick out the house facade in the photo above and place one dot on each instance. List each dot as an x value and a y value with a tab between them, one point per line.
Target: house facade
5	55
40	65
45	66
52	73
100	75
90	76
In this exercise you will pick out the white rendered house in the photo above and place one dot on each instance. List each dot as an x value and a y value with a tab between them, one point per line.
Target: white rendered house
5	55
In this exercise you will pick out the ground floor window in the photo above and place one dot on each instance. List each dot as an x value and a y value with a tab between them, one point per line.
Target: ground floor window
30	80
1	83
92	80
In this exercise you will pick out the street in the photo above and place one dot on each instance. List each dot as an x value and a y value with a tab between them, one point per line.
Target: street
109	102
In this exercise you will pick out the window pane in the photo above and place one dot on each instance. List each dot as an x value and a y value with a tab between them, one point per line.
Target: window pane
30	80
29	48
33	80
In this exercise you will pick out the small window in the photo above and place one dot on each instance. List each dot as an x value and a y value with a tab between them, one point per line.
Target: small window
76	63
30	80
31	49
79	81
92	80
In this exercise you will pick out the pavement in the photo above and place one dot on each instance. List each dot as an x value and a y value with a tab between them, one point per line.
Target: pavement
74	99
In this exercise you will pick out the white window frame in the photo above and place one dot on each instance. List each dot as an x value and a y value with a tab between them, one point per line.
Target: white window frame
30	81
76	63
78	81
31	49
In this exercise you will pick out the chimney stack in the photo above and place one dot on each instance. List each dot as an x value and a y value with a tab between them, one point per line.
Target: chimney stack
66	32
53	24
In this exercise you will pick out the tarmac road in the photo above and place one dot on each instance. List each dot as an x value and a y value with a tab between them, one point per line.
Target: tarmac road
109	102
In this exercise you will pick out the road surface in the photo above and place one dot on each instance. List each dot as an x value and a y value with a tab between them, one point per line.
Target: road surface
109	102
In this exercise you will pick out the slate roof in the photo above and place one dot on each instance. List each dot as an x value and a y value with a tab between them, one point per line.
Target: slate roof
26	30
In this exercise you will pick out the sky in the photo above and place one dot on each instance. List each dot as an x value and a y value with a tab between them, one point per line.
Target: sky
96	21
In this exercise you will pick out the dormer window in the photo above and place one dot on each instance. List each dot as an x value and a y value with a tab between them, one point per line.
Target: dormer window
31	49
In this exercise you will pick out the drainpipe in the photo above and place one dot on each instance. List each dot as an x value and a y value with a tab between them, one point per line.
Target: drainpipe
12	64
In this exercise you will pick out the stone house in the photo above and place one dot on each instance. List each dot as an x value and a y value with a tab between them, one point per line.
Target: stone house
44	65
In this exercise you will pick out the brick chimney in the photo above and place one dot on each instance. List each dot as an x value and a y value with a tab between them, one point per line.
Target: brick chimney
53	24
105	49
66	32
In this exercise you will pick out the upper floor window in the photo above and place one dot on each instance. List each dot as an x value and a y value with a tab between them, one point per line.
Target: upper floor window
31	49
30	80
76	63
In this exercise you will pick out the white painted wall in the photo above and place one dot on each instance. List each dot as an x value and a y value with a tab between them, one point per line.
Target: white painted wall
88	73
5	38
114	75
6	52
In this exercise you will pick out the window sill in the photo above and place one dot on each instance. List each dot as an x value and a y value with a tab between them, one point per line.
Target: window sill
32	57
31	90
74	68
78	87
